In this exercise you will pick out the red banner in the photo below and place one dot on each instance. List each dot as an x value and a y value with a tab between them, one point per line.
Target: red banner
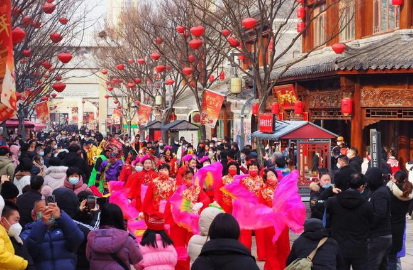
266	123
286	95
211	107
144	114
8	102
42	111
116	116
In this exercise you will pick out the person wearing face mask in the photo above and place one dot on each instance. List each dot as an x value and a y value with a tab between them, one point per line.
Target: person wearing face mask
223	199
140	181
350	215
74	181
186	160
354	159
53	238
317	188
137	168
8	258
38	166
254	184
10	219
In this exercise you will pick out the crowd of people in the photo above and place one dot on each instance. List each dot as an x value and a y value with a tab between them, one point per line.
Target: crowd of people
79	200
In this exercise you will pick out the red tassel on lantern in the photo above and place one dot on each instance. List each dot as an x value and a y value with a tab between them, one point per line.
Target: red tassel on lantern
255	109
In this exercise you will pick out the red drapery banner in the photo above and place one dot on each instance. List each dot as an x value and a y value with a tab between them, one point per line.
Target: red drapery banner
116	116
144	114
211	106
42	111
8	106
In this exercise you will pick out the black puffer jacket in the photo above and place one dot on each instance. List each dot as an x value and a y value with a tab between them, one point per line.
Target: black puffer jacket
355	163
342	177
349	217
25	203
328	256
75	160
224	254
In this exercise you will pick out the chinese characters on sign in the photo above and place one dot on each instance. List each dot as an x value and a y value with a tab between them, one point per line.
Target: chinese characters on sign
211	106
42	111
266	123
286	95
144	114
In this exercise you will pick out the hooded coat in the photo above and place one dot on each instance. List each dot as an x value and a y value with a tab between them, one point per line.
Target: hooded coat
399	208
101	243
196	242
159	258
328	256
73	159
55	176
21	179
349	217
6	166
79	187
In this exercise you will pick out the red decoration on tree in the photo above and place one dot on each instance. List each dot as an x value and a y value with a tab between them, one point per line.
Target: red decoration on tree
158	40
195	44
110	88
211	78
54	95
27	53
397	2
131	61
37	24
120	67
233	42
59	87
155	56
346	106
141	61
63	20
191	58
46	76
65	57
26	21
137	80
197	31
56	37
298	107
241	57
300	27
249	23
187	70
48	8
106	96
137	103
300	1
301	12
18	35
225	32
130	85
58	78
169	82
339	48
160	68
192	84
275	108
222	76
255	109
83	102
104	71
46	64
119	107
44	99
168	67
116	102
180	29
23	61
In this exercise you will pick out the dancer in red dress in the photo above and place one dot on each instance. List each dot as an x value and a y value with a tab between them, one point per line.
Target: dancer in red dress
223	199
188	161
170	160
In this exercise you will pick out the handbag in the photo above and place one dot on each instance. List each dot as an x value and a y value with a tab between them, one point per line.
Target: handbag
306	263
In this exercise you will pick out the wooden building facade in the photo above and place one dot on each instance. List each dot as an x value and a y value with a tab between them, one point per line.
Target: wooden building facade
375	71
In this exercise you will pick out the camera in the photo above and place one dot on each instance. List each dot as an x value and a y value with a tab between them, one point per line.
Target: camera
50	199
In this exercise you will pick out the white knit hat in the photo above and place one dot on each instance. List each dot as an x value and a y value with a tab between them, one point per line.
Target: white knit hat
1	204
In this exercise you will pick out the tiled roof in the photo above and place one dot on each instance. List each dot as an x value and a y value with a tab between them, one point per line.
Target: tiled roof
391	51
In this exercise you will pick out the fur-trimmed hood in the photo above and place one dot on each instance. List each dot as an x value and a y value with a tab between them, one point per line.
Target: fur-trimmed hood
398	192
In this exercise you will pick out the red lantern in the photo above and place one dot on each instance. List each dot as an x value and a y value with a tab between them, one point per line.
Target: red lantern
249	23
23	61
104	71
300	1
119	107
59	87
18	35
110	88
300	27
197	31
158	40
211	78
54	95
346	106
27	53
298	107
18	96
233	42
107	83
65	57
168	67
222	76
46	76
160	68
120	67
37	24
131	61
301	12
141	61
58	78
83	102
196	44
44	99
46	64
26	20
339	48
275	108
191	58
192	84
63	20
180	29
137	80
37	73
48	8
116	102
155	56
56	37
241	57
137	103
130	85
106	96
397	2
169	82
225	32
255	109
187	70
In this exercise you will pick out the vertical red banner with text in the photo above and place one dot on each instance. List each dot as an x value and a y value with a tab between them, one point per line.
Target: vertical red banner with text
42	111
211	107
144	114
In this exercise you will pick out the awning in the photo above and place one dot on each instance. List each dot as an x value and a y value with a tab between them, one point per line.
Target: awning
152	125
14	123
295	130
180	125
39	126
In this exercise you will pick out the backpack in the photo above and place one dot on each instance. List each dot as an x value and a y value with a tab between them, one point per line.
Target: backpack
306	263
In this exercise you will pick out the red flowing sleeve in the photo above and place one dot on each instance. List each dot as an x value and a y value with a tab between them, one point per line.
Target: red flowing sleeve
135	185
147	205
125	173
204	199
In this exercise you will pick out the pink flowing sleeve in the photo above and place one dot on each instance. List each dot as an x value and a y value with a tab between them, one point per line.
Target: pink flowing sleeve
182	212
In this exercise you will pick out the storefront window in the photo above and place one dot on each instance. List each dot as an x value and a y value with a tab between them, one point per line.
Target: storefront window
320	25
385	16
347	20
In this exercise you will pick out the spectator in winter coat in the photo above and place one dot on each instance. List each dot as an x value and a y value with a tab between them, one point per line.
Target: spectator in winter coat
328	256
74	159
8	259
22	176
53	238
156	246
342	177
55	175
74	181
9	191
354	159
6	163
349	217
198	241
224	251
393	162
112	238
317	208
401	197
25	201
380	241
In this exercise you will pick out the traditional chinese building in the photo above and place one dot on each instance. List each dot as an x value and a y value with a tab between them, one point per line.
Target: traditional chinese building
374	71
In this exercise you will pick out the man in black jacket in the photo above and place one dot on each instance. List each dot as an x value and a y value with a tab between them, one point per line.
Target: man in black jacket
349	217
26	201
380	241
74	159
355	160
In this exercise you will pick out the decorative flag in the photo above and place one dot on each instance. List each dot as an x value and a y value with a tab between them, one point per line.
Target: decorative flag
8	102
42	111
144	114
211	107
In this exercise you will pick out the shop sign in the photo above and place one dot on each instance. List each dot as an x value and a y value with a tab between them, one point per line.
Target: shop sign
286	95
266	123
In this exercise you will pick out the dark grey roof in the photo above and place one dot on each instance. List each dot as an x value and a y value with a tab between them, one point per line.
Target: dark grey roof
391	51
152	125
180	125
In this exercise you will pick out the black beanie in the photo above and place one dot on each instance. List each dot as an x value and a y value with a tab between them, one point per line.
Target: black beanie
374	178
9	190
